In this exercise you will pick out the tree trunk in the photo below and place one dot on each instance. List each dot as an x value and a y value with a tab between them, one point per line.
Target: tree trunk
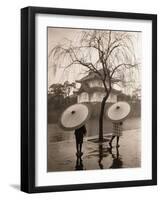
101	118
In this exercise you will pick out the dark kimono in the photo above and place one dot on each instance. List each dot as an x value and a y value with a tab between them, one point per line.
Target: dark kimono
79	134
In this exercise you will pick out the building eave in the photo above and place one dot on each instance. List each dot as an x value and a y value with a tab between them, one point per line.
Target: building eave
95	89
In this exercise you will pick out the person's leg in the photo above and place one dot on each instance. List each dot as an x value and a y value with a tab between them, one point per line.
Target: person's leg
118	141
110	143
77	146
79	153
81	142
80	147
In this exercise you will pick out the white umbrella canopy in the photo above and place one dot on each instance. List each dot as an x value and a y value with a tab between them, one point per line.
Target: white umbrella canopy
74	116
118	111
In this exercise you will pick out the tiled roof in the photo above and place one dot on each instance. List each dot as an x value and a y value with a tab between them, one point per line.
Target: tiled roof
86	88
93	75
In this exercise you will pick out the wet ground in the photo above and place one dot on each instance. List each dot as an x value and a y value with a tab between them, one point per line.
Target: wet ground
56	134
62	154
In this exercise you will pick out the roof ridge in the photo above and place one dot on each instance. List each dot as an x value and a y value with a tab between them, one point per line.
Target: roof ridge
91	75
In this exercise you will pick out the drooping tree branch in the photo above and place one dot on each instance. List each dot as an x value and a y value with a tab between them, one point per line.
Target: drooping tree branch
122	65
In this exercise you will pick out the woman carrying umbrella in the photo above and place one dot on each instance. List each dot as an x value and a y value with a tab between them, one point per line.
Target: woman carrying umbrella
117	113
74	118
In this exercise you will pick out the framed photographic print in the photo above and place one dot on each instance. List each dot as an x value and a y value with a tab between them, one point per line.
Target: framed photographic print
88	99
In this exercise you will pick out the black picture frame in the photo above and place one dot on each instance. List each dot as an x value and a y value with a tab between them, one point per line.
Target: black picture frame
28	98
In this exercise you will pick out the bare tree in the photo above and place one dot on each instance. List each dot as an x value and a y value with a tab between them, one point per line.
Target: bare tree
111	51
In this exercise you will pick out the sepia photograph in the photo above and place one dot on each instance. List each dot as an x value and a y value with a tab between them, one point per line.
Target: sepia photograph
93	99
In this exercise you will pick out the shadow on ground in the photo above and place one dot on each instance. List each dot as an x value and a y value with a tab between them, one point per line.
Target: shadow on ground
15	186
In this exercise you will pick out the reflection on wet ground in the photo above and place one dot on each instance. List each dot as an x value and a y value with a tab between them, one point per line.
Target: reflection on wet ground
79	163
62	155
117	160
102	153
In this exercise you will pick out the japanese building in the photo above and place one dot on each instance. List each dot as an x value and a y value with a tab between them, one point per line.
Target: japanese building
92	89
